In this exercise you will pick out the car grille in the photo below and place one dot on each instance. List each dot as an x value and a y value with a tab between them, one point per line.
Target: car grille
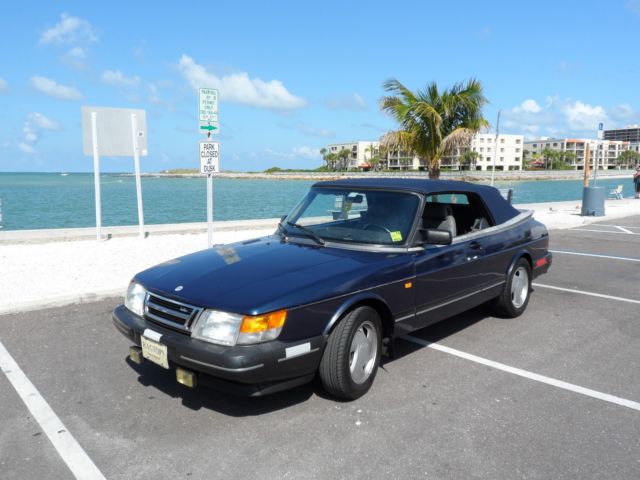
168	312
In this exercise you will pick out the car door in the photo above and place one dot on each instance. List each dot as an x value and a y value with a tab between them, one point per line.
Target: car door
452	278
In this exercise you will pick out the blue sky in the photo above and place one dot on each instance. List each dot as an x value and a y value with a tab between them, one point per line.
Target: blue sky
295	76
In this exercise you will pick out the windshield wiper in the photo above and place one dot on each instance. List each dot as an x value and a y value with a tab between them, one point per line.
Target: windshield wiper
308	231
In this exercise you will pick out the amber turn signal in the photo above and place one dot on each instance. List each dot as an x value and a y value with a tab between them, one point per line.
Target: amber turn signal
261	323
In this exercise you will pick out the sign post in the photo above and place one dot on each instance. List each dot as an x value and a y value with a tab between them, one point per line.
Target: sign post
209	165
96	172
136	166
122	132
209	151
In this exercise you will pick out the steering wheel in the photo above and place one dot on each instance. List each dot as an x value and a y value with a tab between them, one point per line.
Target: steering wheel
374	226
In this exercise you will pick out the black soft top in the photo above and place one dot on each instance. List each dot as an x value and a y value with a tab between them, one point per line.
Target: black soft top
499	207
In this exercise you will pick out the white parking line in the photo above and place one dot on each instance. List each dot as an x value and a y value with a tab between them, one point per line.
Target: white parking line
601	231
597	255
527	374
582	292
617	226
69	449
623	229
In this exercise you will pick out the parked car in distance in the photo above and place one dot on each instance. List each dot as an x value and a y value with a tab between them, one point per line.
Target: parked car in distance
356	264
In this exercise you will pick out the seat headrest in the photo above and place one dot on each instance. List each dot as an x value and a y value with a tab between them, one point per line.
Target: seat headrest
437	211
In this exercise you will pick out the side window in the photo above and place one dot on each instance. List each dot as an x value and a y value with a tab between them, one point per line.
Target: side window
468	210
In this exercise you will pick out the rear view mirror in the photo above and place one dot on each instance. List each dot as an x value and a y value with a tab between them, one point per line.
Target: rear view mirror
436	236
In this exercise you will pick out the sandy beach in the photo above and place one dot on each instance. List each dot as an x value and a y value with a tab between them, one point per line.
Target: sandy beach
58	270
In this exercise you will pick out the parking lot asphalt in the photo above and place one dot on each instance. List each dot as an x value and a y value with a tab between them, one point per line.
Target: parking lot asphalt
430	413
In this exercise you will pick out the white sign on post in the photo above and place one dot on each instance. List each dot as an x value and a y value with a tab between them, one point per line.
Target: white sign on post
209	158
209	165
116	132
208	100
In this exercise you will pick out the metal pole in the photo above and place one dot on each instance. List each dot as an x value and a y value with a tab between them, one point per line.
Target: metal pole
600	147
136	163
495	150
210	210
96	172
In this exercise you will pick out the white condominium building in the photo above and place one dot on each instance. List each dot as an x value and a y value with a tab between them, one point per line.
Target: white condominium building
604	153
507	152
360	152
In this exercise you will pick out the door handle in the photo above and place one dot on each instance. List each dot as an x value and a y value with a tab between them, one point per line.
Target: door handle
475	246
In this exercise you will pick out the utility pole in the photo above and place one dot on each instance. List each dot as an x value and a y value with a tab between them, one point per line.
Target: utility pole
495	148
587	164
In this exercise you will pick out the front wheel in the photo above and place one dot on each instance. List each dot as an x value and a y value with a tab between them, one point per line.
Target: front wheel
514	298
352	355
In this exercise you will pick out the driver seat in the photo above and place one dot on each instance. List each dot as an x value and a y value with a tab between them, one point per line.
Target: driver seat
439	215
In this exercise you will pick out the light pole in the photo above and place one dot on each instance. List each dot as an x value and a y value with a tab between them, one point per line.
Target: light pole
495	148
599	146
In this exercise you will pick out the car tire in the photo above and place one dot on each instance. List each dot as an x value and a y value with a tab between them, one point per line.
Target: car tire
513	300
352	355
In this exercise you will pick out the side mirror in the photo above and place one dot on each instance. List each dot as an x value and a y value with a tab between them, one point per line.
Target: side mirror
436	236
282	218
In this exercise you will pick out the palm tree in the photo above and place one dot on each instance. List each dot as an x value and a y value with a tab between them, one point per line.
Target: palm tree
343	155
323	152
549	155
331	160
469	159
628	158
433	122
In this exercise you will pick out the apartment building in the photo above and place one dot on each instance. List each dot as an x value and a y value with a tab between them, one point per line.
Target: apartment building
506	151
629	134
604	153
360	152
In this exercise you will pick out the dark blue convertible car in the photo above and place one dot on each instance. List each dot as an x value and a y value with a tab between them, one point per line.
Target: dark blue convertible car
355	264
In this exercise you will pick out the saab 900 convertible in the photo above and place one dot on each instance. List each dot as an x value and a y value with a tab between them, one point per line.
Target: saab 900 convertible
355	264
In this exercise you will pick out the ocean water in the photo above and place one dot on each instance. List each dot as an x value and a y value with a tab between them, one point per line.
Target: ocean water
51	200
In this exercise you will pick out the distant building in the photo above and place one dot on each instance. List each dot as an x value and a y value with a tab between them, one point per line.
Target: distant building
360	152
507	153
628	134
604	153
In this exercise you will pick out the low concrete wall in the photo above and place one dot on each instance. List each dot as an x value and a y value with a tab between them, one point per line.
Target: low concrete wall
64	234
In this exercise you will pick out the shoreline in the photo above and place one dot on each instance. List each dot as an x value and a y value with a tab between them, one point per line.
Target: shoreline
468	176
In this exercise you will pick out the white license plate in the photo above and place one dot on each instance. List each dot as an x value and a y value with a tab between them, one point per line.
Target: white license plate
154	351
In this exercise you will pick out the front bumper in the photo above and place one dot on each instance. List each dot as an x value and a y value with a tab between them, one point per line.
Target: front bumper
248	370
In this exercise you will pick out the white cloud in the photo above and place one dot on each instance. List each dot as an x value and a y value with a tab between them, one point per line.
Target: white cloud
117	79
26	148
353	103
4	86
77	52
42	122
53	89
564	117
582	116
240	88
634	6
69	30
33	125
528	106
296	152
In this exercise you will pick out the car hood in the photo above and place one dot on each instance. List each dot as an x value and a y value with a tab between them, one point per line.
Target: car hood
266	274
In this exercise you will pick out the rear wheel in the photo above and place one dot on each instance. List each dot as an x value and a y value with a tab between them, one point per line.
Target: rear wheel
514	298
352	355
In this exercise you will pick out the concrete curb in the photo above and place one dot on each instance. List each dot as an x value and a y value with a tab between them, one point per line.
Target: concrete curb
62	301
89	233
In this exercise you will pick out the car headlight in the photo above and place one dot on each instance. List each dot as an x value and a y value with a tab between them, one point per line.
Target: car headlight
134	299
231	329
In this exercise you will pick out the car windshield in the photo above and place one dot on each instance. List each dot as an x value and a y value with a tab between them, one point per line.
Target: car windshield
353	216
